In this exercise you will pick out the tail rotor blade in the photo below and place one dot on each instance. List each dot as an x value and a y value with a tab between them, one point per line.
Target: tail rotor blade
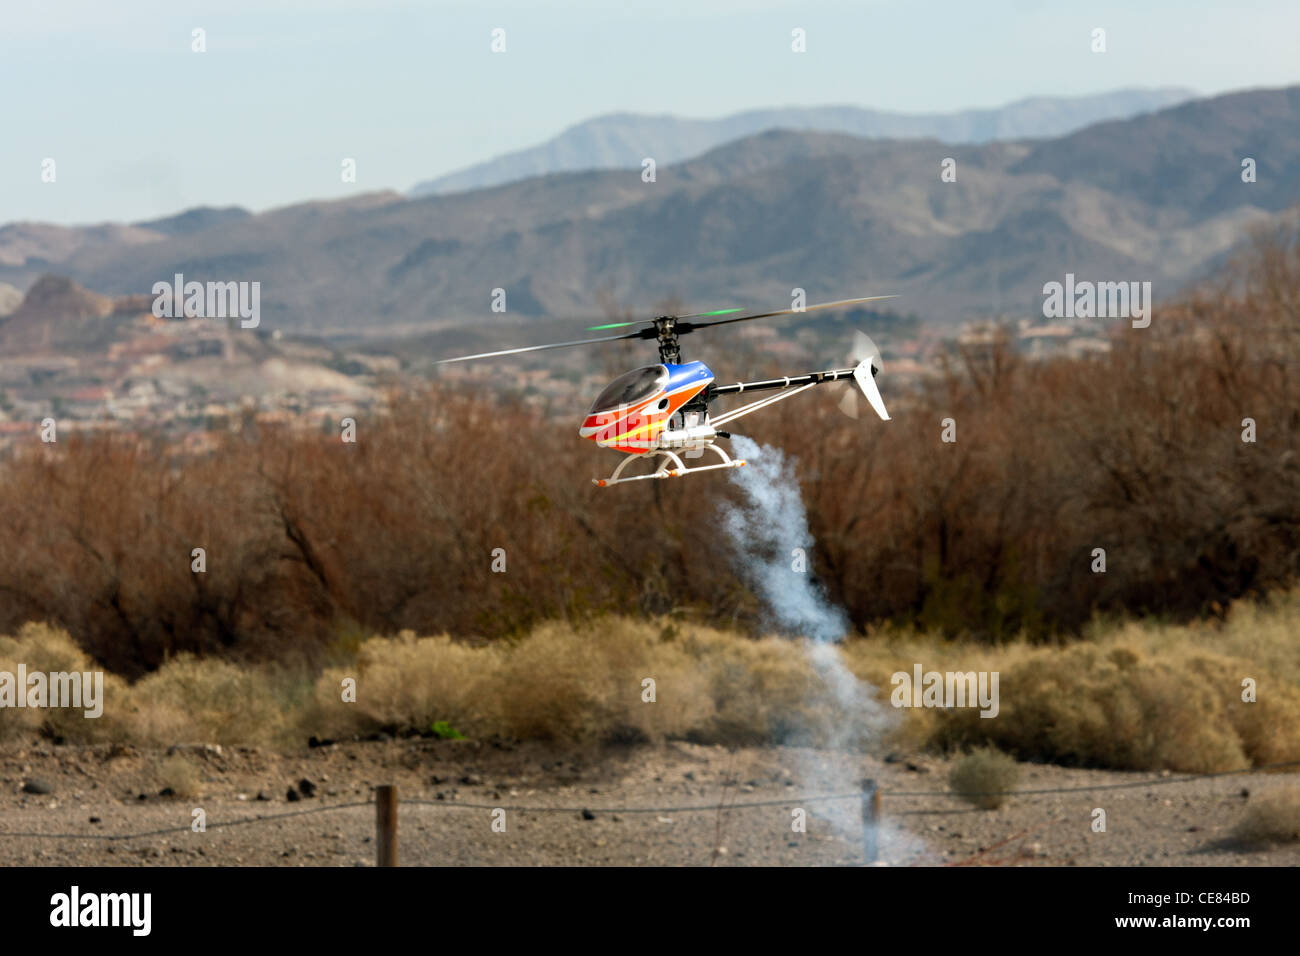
865	355
863	349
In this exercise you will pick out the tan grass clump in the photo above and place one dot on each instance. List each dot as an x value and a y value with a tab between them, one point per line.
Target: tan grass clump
50	650
588	682
1135	696
984	777
204	701
181	776
1272	819
408	683
768	691
591	683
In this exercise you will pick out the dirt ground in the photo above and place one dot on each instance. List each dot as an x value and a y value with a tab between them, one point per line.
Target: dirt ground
633	798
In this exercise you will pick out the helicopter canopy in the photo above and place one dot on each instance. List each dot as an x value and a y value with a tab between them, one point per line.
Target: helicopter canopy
630	388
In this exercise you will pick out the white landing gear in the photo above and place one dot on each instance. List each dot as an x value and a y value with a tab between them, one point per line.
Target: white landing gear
670	466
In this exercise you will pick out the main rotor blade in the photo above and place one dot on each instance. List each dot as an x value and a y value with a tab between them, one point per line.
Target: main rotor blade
767	315
540	348
650	332
693	315
701	315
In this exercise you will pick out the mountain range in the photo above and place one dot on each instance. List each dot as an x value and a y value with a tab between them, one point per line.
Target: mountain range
623	140
1157	197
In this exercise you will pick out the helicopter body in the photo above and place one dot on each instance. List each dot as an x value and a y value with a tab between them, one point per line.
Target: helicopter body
661	412
633	413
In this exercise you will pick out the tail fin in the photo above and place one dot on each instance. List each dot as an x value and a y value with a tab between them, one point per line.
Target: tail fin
867	382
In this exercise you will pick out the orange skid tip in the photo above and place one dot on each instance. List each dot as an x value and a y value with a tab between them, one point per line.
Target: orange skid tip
600	482
742	463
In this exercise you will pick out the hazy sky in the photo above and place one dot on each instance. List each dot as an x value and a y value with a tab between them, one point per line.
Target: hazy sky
139	125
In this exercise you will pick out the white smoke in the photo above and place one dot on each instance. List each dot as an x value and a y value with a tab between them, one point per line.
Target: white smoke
764	529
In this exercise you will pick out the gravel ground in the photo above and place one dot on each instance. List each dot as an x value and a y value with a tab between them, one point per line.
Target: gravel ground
120	790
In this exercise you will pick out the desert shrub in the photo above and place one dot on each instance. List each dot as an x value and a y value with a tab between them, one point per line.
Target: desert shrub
45	649
984	777
885	651
1262	632
1271	819
585	683
760	690
588	682
1106	707
1132	706
1139	696
1269	729
557	682
776	690
193	700
181	776
408	683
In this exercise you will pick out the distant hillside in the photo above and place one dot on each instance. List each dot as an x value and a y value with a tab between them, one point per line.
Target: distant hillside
195	220
1157	198
33	246
54	313
10	298
65	342
623	140
29	246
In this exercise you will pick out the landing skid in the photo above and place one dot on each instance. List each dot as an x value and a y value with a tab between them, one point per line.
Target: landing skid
678	468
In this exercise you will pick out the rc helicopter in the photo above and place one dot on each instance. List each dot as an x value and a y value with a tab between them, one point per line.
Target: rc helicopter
661	412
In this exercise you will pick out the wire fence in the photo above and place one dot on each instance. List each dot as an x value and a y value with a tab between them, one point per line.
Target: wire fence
261	818
869	796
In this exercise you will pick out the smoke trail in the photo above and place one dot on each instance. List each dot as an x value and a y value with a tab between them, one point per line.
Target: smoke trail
768	529
764	529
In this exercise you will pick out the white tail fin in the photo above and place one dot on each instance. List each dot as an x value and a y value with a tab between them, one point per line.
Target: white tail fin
866	359
862	375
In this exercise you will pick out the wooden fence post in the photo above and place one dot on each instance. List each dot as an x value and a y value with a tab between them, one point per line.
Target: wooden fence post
386	824
870	821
